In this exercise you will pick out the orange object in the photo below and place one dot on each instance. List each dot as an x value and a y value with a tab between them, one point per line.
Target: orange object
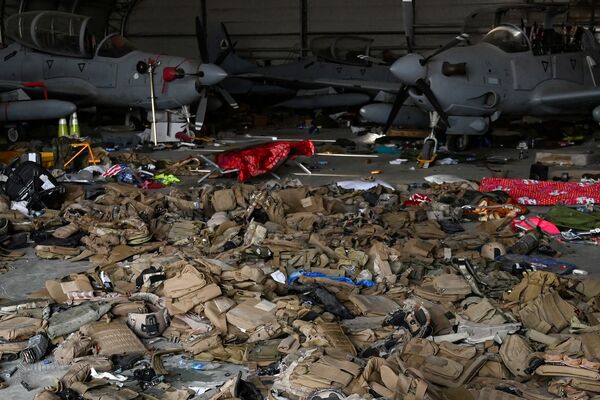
83	147
426	163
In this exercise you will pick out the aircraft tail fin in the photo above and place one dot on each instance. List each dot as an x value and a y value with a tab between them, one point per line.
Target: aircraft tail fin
221	50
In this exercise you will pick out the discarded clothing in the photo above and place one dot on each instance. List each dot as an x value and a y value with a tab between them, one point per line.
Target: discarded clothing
569	218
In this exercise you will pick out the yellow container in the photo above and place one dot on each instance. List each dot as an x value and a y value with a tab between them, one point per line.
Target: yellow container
47	159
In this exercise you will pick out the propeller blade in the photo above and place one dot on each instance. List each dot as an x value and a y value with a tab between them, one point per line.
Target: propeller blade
454	42
201	111
398	102
408	20
201	40
424	87
227	97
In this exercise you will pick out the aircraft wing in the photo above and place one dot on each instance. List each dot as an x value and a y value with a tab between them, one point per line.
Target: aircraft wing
7	86
277	80
392	87
361	85
73	88
62	87
571	99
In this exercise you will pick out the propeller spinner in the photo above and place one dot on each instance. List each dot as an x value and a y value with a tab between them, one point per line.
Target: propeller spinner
412	72
210	74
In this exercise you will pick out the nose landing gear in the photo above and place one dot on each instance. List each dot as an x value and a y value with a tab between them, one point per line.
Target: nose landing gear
430	143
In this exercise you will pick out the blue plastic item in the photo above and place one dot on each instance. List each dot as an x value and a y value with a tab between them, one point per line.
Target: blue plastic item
295	275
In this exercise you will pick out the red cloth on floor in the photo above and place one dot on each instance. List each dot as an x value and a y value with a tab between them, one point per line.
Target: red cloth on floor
263	158
541	193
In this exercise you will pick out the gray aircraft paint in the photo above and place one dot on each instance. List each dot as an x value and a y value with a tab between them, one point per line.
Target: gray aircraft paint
101	80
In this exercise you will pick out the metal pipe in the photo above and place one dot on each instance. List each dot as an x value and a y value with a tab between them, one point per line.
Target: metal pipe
151	66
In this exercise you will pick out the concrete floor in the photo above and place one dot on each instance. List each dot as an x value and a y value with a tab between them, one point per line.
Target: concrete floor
29	273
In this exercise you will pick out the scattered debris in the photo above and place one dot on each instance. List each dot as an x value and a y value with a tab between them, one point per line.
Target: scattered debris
349	291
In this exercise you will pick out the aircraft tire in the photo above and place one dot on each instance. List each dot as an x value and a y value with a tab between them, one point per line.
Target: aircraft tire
428	149
457	142
136	124
15	134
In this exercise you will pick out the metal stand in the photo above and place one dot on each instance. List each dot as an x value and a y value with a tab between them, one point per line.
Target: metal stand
83	147
214	168
151	66
302	167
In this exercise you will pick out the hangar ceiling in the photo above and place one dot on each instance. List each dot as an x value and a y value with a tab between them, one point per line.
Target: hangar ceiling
271	30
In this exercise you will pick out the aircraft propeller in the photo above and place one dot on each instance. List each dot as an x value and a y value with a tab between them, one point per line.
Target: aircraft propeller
454	42
202	47
205	58
201	110
411	71
408	21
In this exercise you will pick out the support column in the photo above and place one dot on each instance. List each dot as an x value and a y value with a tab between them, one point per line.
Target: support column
303	28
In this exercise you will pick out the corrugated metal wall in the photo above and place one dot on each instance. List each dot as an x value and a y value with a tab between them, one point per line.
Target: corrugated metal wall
164	26
270	29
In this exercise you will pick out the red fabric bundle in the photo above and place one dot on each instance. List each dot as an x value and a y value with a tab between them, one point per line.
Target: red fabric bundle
262	159
541	193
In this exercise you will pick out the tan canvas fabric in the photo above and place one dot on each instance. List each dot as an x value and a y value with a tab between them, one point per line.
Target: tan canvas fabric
17	328
515	353
113	338
224	200
76	345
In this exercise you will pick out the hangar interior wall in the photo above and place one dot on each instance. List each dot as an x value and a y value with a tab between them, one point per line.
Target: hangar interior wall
271	29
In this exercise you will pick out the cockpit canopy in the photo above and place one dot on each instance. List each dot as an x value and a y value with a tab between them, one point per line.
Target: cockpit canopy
53	32
508	38
341	49
115	46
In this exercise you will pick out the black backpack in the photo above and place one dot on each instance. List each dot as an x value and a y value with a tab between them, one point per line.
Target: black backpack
32	183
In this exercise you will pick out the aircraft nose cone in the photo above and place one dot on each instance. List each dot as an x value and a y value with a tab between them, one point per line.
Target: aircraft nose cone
210	74
408	69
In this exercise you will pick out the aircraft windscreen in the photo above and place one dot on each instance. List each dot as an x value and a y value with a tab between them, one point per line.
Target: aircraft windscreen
508	38
115	46
52	32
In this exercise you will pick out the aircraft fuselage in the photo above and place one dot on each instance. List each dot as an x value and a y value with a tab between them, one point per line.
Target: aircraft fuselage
101	80
509	83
